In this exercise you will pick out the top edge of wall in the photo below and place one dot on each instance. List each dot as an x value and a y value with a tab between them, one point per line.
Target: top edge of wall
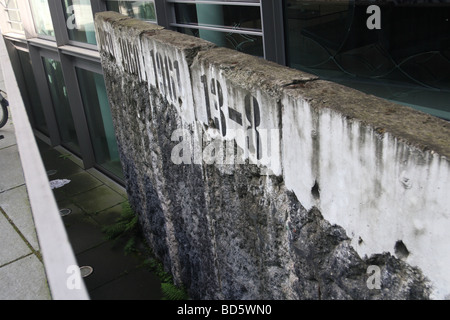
418	129
415	128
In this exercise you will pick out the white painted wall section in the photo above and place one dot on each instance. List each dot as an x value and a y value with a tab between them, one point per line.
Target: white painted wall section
379	189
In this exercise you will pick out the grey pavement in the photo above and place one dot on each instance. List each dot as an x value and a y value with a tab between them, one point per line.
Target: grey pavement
94	200
22	272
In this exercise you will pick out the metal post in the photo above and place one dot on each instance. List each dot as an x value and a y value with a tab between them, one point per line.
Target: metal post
273	30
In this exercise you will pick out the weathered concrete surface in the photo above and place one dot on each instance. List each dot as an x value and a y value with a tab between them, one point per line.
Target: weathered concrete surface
325	182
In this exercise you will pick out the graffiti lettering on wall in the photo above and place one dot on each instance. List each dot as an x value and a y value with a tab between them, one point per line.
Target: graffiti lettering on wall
216	110
130	58
167	77
127	54
235	117
106	42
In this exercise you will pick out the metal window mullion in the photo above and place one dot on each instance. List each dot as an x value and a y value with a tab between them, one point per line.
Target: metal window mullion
43	42
59	22
44	94
98	6
78	114
88	65
82	45
17	65
27	19
81	53
273	30
165	13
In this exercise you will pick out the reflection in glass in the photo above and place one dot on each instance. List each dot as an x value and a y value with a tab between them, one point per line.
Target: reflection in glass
204	18
143	10
100	124
42	18
407	60
31	91
80	21
249	44
61	104
228	16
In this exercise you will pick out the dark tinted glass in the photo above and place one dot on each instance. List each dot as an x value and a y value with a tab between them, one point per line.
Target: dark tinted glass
406	60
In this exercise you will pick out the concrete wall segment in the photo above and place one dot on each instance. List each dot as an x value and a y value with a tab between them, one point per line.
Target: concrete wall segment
342	165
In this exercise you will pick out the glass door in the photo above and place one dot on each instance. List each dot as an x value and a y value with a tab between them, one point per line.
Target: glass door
99	120
63	113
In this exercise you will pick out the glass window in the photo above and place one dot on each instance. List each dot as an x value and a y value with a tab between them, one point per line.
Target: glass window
143	10
79	21
233	25
227	16
61	104
14	19
407	60
250	44
37	113
98	114
42	18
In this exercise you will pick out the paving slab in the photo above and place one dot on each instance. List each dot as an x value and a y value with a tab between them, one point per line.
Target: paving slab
83	232
55	161
109	216
24	279
9	137
109	263
80	182
98	199
139	284
16	205
12	174
12	245
108	182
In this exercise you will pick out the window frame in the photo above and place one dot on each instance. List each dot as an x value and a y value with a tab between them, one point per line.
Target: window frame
149	21
42	36
62	34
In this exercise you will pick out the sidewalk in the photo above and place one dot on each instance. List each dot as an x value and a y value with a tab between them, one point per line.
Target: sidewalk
31	225
22	273
95	201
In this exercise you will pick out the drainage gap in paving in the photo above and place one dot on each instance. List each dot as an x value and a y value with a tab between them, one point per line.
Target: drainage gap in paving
86	271
51	172
65	211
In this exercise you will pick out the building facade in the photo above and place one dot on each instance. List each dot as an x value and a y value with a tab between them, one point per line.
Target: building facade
398	50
